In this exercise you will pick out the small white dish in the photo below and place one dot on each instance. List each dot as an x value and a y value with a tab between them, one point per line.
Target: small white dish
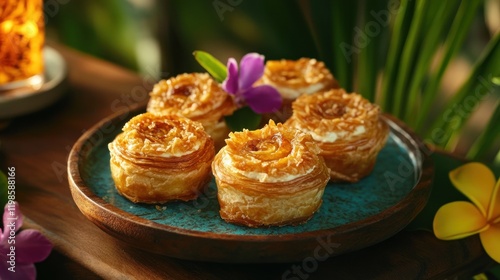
25	100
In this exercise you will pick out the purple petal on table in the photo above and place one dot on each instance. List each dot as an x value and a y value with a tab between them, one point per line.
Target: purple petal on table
26	271
251	69
263	99
12	218
230	84
32	246
4	250
4	272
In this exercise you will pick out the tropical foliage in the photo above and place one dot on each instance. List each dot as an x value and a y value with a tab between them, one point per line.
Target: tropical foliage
398	53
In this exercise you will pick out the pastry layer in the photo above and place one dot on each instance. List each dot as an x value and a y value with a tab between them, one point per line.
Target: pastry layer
270	176
161	158
347	129
195	96
293	78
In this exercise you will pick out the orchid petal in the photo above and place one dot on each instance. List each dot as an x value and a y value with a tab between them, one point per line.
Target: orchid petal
251	69
12	218
32	246
4	250
263	99
21	270
491	241
230	84
476	181
457	220
4	273
26	271
494	209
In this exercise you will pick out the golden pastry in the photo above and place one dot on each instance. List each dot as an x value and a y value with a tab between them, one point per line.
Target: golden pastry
270	176
293	78
195	96
161	158
347	128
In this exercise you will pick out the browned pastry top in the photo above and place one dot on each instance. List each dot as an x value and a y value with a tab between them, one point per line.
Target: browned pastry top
149	139
275	159
334	115
293	78
195	96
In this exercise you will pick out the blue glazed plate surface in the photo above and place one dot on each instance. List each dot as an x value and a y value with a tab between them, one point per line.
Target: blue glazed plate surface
396	172
352	216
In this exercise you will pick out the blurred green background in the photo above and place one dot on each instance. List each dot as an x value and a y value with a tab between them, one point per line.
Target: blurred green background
430	63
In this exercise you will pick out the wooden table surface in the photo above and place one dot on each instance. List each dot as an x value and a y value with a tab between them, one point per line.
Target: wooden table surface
37	145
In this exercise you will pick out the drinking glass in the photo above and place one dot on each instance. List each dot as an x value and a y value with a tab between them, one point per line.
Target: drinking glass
22	36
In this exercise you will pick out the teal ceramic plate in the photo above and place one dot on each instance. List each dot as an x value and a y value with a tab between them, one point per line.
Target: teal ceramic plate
352	216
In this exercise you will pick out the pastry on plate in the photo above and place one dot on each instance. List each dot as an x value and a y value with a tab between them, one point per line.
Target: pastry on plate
270	176
293	78
195	96
347	128
161	158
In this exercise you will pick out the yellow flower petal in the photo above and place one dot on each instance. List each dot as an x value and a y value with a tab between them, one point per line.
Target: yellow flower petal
494	209
457	220
476	181
491	241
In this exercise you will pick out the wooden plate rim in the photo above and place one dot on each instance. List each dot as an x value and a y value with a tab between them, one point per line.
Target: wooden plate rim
417	196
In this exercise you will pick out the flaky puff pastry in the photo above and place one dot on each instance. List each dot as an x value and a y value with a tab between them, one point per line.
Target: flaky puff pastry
195	96
270	176
347	129
293	78
161	158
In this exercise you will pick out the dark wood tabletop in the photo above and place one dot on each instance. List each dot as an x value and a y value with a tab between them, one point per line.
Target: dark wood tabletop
37	145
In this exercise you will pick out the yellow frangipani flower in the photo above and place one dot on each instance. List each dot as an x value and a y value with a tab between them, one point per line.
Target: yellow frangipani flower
461	219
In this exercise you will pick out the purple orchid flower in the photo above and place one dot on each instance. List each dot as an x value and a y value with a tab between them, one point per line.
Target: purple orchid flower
261	99
19	251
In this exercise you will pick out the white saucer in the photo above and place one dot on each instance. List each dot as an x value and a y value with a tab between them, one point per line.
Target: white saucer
14	103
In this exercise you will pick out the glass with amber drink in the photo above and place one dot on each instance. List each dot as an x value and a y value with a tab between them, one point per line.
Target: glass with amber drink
22	36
